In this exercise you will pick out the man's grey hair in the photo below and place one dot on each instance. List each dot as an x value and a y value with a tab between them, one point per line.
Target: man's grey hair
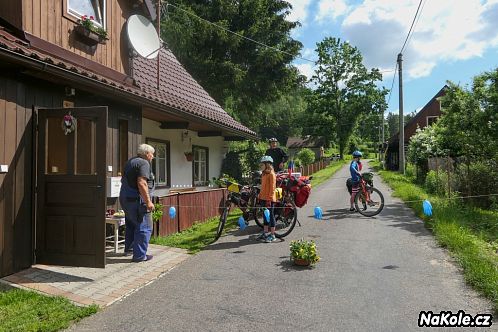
143	149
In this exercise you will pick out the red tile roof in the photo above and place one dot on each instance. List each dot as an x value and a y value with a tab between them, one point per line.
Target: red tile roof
178	90
178	87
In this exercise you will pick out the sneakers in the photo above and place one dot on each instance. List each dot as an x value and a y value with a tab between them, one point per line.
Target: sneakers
261	236
146	258
352	209
270	238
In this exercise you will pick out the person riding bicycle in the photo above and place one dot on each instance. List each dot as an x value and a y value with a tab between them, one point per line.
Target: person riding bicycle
355	168
278	155
268	197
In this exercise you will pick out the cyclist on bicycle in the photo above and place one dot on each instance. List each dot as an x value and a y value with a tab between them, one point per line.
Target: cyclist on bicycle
268	198
355	168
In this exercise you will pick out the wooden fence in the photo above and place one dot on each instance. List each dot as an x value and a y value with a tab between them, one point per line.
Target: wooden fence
313	168
191	207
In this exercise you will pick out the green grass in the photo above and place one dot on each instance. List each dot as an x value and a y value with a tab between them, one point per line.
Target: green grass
22	310
195	238
326	173
470	234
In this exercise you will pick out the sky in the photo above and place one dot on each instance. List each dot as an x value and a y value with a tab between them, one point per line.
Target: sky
452	40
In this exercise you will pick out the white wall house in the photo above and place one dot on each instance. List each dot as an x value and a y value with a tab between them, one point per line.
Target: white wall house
171	168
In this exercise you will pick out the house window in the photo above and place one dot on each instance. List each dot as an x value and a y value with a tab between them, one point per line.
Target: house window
200	166
160	163
431	120
90	8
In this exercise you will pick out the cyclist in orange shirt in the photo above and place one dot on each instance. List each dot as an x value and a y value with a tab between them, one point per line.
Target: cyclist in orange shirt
268	198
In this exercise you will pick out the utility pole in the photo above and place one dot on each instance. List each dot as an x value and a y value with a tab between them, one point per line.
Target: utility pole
383	135
401	118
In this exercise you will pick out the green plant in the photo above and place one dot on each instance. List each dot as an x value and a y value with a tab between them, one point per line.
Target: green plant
306	156
306	250
87	23
158	212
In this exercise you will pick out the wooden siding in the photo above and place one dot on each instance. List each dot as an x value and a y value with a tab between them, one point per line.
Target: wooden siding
191	207
49	21
17	98
10	10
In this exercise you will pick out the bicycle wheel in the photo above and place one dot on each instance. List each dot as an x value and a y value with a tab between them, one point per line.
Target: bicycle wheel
285	219
369	208
223	220
256	212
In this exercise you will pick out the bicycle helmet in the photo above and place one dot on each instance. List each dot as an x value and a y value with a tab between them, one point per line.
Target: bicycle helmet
357	154
266	159
273	139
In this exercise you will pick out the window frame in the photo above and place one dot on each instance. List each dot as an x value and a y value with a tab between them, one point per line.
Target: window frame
73	15
152	141
206	183
431	117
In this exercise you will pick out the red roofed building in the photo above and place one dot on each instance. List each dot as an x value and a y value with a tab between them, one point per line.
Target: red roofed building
55	186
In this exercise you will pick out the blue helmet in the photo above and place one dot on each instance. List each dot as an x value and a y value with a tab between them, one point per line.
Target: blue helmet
357	154
266	159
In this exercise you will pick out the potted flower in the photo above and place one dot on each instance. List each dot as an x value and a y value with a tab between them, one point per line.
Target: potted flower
189	155
304	252
89	32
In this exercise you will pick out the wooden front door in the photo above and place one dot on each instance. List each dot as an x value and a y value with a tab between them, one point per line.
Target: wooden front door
71	180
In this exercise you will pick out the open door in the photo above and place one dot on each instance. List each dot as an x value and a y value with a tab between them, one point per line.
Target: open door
71	180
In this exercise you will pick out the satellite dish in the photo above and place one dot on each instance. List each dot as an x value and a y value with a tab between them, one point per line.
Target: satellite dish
143	36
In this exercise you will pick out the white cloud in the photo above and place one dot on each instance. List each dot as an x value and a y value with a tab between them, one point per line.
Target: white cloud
306	69
330	10
447	31
299	10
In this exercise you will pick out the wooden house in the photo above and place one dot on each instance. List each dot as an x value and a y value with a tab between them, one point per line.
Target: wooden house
55	185
425	117
295	144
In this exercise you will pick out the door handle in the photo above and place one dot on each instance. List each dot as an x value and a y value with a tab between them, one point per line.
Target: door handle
97	186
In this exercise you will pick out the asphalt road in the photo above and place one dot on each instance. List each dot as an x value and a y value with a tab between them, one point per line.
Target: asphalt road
376	274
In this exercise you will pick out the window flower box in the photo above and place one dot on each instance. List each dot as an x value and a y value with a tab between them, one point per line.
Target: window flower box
89	33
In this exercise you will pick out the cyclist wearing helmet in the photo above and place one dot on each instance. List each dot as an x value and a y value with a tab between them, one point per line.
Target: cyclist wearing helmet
268	198
355	169
278	155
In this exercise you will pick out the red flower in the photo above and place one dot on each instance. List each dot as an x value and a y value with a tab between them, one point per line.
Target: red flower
91	17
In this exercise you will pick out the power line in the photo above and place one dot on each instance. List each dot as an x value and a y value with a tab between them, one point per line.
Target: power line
392	85
236	34
416	22
411	27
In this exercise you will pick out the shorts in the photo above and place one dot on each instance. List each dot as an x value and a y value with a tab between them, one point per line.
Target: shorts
355	187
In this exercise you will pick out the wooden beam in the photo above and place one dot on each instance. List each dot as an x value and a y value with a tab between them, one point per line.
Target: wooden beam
235	138
173	125
208	133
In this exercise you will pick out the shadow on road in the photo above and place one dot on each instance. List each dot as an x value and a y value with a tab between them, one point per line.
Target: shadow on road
288	266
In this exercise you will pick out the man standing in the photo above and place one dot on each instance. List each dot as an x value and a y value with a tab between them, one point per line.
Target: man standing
278	155
137	184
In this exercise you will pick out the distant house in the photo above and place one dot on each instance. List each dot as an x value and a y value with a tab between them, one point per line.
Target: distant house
294	144
425	117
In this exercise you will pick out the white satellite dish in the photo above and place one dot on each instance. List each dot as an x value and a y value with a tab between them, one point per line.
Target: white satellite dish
143	36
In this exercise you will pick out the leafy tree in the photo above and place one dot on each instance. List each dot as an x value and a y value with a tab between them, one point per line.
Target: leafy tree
392	120
306	156
237	73
345	89
283	118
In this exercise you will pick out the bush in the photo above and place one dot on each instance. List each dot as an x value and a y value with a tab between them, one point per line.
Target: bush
306	156
232	166
436	182
478	178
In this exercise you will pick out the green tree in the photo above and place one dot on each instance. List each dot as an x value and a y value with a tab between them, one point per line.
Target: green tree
345	89
392	121
283	118
237	73
306	156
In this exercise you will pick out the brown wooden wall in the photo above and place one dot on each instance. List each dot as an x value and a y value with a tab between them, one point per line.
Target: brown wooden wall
11	11
167	225
432	109
18	94
48	20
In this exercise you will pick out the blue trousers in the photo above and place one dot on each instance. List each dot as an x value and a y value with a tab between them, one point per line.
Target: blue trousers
271	222
138	229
